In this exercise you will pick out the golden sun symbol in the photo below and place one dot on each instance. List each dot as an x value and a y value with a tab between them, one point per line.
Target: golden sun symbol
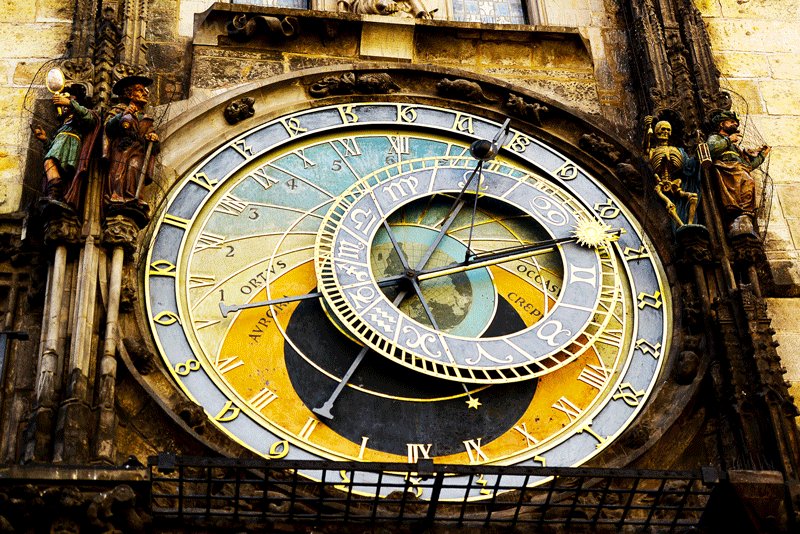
591	233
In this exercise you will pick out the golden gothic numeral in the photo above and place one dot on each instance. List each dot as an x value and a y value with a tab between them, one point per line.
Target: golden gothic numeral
628	394
167	318
184	368
568	171
162	268
228	413
203	180
348	115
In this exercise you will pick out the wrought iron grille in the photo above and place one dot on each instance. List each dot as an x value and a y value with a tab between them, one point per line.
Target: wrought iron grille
212	489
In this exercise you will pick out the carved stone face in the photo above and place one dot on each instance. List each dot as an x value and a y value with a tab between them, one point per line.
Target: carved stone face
663	130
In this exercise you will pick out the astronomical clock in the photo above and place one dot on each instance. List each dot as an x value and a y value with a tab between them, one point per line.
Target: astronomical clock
384	281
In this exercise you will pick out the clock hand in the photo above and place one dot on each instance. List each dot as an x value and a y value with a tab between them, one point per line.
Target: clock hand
226	309
483	152
493	258
407	269
485	260
325	409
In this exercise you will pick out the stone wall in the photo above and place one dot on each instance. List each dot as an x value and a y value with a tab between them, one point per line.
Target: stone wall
757	48
31	33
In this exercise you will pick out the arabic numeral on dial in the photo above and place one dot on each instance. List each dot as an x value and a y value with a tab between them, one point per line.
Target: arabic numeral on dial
230	253
292	184
336	166
551	211
184	368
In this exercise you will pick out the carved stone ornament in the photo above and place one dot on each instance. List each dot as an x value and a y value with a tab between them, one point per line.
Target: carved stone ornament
239	110
746	247
530	111
694	245
242	29
686	367
78	69
401	8
600	148
61	230
461	89
143	360
120	231
370	83
65	509
193	415
123	70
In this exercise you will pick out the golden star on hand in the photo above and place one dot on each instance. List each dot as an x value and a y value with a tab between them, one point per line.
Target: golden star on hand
473	403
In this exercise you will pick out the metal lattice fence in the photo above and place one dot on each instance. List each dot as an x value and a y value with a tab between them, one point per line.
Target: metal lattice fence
212	489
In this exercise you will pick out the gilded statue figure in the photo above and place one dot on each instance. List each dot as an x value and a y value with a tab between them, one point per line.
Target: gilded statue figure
130	144
673	168
733	165
66	160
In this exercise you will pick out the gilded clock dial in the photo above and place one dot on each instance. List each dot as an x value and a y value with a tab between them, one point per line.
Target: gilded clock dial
583	330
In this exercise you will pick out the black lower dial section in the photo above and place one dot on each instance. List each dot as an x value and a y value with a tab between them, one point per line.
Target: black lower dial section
399	406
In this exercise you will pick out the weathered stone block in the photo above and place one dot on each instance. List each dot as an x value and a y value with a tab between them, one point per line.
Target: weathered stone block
789	195
18	11
742	64
709	8
10	181
219	72
162	26
33	40
387	41
790	341
11	99
754	35
786	275
507	54
54	10
760	9
564	55
784	163
429	49
775	129
784	313
780	96
784	66
25	72
779	237
748	91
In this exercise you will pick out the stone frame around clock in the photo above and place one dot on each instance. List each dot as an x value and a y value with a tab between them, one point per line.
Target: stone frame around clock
193	134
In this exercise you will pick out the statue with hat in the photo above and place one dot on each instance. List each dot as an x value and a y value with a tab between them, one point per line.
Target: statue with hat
66	159
130	145
733	166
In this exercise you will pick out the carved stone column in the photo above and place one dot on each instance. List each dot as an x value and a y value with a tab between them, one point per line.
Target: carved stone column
60	231
119	234
74	417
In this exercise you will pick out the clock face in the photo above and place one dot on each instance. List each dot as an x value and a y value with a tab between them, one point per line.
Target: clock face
503	328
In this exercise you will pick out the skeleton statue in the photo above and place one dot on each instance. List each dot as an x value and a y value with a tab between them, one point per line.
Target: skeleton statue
672	166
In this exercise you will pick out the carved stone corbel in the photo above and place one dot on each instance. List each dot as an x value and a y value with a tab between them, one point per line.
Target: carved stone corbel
241	29
239	110
530	111
369	83
465	90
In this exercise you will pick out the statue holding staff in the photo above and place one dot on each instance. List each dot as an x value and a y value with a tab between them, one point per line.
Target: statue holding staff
130	145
